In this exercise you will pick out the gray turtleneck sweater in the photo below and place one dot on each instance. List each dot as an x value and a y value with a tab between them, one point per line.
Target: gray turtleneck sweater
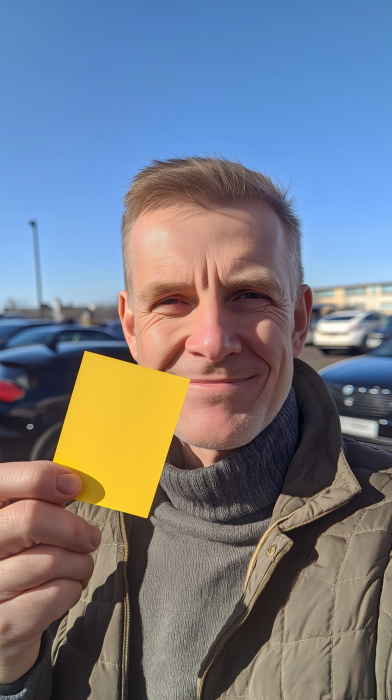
188	561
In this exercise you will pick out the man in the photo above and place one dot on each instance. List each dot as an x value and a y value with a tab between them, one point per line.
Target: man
263	571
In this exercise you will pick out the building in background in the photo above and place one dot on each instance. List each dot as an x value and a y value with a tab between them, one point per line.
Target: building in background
89	315
375	296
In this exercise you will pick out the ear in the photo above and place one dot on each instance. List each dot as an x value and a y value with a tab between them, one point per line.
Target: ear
303	309
127	318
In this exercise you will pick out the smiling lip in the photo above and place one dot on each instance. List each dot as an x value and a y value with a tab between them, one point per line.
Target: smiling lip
219	383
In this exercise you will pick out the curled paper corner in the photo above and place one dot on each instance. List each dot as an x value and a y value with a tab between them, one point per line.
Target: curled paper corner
92	489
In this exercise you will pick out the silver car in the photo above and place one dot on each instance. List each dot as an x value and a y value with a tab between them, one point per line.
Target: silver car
345	330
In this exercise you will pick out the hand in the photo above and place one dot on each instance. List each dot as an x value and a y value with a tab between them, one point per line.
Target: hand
45	557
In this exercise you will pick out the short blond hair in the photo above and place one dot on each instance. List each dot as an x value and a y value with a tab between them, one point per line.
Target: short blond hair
208	182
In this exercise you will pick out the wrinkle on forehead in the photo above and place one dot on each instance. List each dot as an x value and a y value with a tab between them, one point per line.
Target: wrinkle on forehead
187	241
157	226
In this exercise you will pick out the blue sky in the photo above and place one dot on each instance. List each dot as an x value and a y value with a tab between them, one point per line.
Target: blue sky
91	90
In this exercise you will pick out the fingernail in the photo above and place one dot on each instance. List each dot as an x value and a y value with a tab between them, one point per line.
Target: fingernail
95	535
69	484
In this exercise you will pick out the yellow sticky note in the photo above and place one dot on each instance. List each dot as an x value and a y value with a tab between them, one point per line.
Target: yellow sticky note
118	430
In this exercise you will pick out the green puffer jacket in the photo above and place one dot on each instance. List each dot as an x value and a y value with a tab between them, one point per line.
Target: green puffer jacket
315	618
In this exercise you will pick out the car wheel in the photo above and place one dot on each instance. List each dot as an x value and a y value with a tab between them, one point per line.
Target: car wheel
45	447
361	349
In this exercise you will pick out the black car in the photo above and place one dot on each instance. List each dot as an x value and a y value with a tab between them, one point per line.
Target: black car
362	391
116	327
36	383
59	333
11	315
379	335
12	326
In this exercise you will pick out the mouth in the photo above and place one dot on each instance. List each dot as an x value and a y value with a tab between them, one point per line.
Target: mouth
221	383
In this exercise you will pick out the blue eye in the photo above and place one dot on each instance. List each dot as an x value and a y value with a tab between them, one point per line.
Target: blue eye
252	295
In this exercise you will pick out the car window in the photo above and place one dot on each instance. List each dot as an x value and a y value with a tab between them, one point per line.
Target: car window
7	331
67	336
338	318
99	335
30	336
372	317
76	336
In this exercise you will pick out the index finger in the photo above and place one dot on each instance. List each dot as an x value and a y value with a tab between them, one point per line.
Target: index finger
43	480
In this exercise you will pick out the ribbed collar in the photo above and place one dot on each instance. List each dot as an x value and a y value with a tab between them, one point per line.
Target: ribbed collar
245	486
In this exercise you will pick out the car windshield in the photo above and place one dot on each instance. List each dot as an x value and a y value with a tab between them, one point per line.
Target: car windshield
384	350
30	336
7	330
331	317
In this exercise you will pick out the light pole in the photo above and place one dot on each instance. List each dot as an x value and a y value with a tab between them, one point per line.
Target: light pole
38	281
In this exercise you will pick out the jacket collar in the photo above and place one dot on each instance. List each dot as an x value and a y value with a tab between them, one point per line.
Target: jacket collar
319	478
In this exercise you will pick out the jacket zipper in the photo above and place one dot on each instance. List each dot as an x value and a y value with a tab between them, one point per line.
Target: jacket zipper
260	543
239	622
125	649
251	565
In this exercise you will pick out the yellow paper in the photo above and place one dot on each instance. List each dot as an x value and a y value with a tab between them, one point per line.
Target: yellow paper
118	430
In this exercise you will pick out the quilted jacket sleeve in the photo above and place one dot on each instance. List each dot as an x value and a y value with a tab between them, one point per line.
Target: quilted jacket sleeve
384	638
36	684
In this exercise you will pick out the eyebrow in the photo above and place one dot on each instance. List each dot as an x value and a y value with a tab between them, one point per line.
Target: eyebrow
261	280
154	290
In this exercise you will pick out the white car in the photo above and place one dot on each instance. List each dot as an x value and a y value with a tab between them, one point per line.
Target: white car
318	312
345	330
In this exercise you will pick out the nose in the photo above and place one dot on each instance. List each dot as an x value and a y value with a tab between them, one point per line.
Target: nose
212	334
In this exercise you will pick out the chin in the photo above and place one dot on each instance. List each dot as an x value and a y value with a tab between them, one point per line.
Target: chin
218	428
225	435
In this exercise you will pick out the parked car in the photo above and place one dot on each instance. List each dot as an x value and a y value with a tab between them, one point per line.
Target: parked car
60	333
11	315
379	334
116	327
10	327
345	331
318	311
36	383
362	390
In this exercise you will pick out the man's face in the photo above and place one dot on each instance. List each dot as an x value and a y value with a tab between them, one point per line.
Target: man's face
213	302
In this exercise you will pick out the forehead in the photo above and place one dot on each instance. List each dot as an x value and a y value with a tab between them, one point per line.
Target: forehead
190	238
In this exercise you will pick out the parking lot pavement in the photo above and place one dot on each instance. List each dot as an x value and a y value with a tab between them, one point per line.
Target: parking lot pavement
316	359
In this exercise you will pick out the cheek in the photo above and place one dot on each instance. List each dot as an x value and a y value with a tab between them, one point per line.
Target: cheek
271	340
159	340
